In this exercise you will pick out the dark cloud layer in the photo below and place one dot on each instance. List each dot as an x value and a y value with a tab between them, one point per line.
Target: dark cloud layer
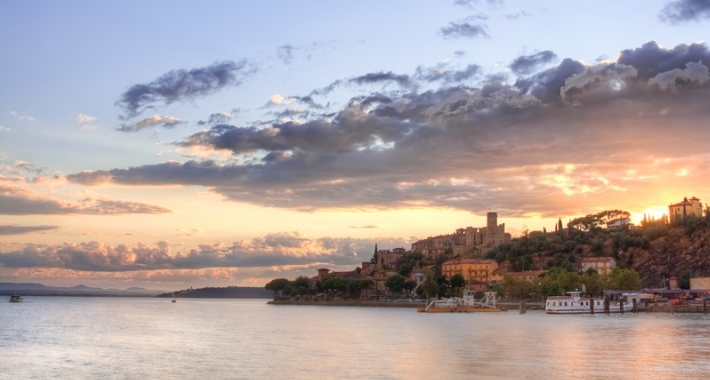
277	249
180	85
17	230
557	136
685	10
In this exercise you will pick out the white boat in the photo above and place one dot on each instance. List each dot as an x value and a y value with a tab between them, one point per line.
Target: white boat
174	300
15	298
573	303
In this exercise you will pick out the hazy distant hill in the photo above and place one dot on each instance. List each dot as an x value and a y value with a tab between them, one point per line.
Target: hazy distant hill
228	292
7	288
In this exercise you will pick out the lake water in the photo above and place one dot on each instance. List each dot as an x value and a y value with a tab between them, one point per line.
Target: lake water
150	338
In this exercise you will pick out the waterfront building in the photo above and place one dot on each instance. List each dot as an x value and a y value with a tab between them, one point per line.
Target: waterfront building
692	206
601	264
474	271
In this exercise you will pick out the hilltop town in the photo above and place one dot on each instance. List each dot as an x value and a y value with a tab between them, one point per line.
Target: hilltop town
595	252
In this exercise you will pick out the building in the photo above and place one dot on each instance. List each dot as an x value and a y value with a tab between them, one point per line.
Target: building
464	240
390	259
619	224
474	271
601	264
691	206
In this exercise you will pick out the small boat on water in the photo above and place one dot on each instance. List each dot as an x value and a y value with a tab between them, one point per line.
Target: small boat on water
574	303
174	300
465	304
15	298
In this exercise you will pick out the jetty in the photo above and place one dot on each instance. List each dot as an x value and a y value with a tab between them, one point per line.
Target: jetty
465	304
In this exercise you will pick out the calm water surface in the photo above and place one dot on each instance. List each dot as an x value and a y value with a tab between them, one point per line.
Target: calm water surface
148	338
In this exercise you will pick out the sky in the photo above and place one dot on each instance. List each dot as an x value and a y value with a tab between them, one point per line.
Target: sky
169	144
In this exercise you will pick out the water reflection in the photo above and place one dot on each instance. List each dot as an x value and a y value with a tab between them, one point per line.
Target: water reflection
238	339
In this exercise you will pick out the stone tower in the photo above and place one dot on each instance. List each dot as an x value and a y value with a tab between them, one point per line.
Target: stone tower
491	226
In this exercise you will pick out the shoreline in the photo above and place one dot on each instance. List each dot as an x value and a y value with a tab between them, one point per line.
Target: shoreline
503	306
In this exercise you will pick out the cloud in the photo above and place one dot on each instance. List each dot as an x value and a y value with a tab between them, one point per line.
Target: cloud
517	15
526	64
651	59
447	76
679	11
181	85
280	100
17	230
380	77
217	118
472	3
4	129
538	146
166	122
464	29
276	249
84	118
16	200
22	117
694	73
285	53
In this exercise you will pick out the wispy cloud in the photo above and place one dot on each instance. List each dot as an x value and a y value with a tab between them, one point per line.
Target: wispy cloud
166	122
181	85
216	118
4	129
526	64
19	200
84	118
285	53
464	29
17	230
679	11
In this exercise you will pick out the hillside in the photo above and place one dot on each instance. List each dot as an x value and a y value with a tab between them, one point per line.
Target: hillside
656	251
225	292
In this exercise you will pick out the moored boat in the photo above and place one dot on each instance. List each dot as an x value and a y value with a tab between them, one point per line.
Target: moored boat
574	303
15	298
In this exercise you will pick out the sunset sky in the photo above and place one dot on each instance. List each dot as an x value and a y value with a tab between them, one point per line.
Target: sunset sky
167	144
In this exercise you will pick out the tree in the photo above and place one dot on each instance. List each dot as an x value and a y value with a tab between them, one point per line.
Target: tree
409	285
276	285
373	260
518	287
457	281
301	281
430	287
622	279
395	283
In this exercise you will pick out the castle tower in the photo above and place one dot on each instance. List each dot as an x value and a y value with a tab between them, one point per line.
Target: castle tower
491	227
